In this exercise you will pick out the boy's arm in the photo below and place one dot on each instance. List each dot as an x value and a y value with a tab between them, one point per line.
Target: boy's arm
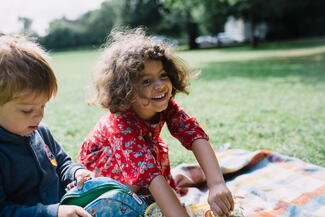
166	198
66	168
9	209
220	198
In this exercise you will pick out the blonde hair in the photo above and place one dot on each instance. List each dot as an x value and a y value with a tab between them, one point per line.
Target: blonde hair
24	67
123	58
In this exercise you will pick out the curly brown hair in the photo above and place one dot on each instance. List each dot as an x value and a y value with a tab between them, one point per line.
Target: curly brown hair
123	58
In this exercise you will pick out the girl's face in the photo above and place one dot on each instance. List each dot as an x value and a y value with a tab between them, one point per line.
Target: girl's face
154	90
23	114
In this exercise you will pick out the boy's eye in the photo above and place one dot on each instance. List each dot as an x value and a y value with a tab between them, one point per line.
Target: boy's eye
26	111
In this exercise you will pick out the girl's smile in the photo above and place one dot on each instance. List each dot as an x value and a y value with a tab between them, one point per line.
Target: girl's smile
160	98
154	90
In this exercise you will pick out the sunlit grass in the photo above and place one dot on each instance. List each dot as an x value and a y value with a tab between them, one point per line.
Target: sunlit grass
274	102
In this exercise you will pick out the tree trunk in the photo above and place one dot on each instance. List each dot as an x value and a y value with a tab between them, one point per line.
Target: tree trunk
254	39
193	34
192	31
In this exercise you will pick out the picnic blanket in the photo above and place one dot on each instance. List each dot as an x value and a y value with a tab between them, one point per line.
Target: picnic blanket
264	183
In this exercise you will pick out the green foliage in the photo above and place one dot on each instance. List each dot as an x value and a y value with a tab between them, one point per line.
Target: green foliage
90	29
186	19
285	18
213	20
182	4
141	12
207	17
252	99
93	27
190	25
63	34
98	24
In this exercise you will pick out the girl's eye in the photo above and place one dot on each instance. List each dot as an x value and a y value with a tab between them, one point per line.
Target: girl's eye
164	75
146	82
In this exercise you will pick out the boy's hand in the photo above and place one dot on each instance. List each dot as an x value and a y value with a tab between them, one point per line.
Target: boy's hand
72	211
220	200
80	175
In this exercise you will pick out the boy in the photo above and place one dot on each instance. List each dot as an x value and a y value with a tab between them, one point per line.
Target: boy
34	169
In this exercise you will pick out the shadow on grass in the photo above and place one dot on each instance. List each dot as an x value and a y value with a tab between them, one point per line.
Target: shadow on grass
292	44
273	46
309	69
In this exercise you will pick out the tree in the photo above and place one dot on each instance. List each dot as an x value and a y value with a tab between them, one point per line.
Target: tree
26	24
97	24
89	29
135	13
201	15
63	34
213	16
191	25
286	18
294	19
172	23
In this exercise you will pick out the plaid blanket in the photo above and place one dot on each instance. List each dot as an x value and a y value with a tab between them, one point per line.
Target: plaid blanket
264	183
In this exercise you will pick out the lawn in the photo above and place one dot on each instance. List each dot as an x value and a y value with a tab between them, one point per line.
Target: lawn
269	98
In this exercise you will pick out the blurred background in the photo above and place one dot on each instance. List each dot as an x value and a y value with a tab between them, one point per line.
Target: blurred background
189	23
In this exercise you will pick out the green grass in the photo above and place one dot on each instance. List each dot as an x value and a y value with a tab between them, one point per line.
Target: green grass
68	115
270	98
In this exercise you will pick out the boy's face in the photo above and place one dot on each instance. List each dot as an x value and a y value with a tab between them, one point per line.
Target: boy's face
23	114
154	90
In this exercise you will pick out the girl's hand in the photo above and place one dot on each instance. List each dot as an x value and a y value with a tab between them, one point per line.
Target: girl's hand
72	211
220	200
80	175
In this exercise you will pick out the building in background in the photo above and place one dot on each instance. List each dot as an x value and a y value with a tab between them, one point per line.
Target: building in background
239	30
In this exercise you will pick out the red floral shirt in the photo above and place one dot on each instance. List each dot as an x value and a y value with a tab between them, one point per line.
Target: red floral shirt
128	149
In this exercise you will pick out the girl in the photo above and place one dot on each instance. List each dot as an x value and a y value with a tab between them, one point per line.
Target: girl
136	81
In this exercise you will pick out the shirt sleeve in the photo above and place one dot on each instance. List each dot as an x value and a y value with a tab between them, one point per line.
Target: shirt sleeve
182	126
66	168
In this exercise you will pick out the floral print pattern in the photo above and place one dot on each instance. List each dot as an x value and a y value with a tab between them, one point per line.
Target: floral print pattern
129	149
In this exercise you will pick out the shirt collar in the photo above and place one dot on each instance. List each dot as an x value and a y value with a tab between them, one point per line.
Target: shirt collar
6	136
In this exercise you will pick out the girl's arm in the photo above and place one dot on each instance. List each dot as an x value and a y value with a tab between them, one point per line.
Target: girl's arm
220	198
166	198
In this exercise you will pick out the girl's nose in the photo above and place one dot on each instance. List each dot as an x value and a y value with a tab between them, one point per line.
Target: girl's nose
159	84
